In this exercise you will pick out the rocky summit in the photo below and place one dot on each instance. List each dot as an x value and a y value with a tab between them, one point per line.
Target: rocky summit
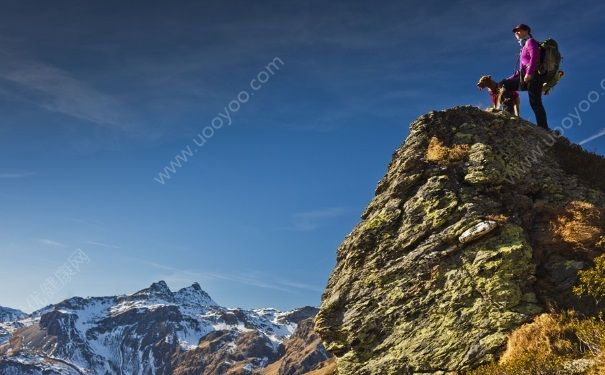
480	224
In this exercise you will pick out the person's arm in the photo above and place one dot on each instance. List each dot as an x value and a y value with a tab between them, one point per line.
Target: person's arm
515	75
534	58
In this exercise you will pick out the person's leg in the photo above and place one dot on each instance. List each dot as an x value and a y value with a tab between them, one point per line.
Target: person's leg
510	84
508	102
534	91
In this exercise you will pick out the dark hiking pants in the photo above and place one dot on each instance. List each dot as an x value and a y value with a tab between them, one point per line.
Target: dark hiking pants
534	91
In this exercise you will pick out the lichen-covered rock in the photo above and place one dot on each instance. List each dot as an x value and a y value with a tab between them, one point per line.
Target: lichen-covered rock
406	297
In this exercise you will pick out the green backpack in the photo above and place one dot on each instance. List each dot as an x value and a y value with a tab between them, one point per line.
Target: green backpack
550	61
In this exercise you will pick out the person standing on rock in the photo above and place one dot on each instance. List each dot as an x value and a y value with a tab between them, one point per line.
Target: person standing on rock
527	78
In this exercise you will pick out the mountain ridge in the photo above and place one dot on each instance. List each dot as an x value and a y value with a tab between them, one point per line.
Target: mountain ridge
8	314
153	330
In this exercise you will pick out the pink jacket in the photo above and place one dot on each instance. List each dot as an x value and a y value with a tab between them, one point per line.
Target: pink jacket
530	58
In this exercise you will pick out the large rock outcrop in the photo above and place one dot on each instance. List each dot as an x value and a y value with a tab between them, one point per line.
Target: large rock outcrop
408	297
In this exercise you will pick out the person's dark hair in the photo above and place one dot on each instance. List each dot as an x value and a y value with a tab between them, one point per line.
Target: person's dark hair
522	26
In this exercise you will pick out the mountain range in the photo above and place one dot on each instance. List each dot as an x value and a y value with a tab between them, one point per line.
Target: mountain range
153	331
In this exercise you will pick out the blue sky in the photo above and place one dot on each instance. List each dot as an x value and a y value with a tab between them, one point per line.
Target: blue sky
97	98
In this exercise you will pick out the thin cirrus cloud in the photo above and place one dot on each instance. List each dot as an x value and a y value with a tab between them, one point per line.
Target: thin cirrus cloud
311	220
52	243
240	279
254	280
101	244
57	90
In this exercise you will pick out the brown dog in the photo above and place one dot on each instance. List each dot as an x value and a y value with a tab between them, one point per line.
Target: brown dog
508	99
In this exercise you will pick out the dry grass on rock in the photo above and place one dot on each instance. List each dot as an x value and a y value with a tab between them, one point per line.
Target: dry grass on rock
438	152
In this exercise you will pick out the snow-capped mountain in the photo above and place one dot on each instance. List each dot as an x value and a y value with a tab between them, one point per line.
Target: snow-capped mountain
8	315
152	331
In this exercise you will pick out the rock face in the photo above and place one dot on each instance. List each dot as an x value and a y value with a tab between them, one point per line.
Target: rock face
152	331
408	297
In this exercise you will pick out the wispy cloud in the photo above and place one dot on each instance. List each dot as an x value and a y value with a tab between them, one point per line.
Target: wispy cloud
241	279
304	286
101	244
57	90
593	137
252	279
310	220
85	221
248	280
48	242
17	174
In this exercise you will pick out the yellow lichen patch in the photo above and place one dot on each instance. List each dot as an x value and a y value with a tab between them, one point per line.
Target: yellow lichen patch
438	152
498	264
580	224
485	166
375	222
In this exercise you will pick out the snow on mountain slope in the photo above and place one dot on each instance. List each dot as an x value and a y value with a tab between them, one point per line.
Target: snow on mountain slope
7	318
8	315
35	365
152	331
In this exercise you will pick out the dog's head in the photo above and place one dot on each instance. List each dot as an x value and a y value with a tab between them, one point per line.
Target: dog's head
484	82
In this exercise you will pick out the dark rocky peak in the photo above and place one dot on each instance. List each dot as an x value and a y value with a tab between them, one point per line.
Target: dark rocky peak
158	290
193	296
